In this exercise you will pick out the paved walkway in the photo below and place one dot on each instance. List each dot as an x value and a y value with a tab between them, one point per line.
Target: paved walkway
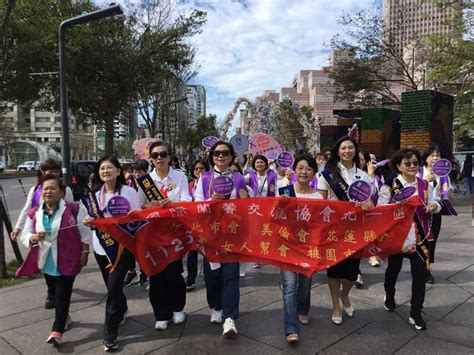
449	307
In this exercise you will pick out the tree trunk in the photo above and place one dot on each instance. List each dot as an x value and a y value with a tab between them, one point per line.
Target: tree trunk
109	134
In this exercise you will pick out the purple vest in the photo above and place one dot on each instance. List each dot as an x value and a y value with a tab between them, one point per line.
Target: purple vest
239	183
68	240
271	183
36	196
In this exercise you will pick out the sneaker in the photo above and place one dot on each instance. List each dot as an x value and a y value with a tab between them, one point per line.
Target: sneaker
416	320
161	324
110	346
54	338
124	318
68	322
179	317
229	330
148	286
257	266
216	316
49	303
242	274
389	303
429	278
374	261
130	279
143	280
359	283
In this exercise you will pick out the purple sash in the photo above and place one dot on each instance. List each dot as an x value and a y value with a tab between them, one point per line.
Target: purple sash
36	196
239	183
423	217
271	183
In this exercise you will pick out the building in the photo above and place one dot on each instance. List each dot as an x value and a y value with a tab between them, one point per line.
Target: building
406	21
196	95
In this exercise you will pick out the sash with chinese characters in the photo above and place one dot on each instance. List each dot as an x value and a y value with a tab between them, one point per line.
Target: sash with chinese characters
337	183
297	234
112	248
149	188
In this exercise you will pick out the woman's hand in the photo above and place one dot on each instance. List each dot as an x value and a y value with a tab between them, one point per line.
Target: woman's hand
15	233
365	205
217	196
430	177
431	208
35	238
370	168
288	173
87	220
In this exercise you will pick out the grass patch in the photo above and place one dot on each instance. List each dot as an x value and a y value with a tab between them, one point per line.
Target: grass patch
11	279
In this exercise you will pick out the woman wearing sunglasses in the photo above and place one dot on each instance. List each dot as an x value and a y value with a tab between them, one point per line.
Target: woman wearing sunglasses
222	280
167	288
406	163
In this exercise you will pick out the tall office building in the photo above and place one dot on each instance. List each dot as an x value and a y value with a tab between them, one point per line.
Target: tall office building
196	101
407	21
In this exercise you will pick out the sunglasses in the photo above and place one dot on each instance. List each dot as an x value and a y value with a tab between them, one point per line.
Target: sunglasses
224	153
410	163
155	155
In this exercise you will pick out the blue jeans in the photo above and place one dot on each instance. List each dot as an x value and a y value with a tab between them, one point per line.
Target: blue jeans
222	288
296	299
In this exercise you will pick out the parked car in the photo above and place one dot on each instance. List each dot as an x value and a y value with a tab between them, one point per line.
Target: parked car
80	172
29	165
2	166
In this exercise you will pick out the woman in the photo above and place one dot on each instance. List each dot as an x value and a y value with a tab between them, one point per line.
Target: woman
441	187
297	287
64	247
467	174
48	167
197	168
222	280
406	162
342	169
167	288
108	182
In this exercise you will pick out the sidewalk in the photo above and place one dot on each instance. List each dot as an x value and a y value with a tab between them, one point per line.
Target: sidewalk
449	308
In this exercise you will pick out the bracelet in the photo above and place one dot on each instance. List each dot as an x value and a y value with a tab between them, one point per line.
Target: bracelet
85	252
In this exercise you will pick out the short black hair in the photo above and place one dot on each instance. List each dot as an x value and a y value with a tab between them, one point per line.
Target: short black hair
50	164
261	157
48	177
213	148
97	182
159	144
141	164
196	162
308	158
428	151
403	153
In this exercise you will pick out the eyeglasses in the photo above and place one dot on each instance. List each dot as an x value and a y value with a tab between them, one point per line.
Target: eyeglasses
410	163
155	155
224	153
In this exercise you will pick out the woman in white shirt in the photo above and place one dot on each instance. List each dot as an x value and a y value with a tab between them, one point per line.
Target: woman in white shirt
297	287
167	288
342	169
406	162
109	182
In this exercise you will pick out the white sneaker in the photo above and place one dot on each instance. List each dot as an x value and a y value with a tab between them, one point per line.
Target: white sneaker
229	330
374	261
179	317
242	274
161	324
216	316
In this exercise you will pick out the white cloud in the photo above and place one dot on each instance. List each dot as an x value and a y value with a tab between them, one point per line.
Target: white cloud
251	46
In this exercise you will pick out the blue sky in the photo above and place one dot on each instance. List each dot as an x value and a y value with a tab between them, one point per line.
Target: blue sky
251	46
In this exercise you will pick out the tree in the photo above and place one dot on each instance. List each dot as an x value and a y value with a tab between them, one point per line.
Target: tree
190	137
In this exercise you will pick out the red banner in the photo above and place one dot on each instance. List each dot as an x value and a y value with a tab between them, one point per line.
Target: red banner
304	235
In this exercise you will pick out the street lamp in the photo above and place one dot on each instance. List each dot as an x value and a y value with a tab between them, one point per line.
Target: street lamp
92	16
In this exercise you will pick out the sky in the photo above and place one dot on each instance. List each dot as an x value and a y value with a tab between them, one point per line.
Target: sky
250	46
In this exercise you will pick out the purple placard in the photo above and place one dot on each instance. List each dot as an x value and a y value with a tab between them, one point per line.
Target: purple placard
286	160
271	155
359	191
223	185
442	167
209	141
404	193
118	205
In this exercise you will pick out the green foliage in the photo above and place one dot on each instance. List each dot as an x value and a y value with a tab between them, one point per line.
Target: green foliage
191	137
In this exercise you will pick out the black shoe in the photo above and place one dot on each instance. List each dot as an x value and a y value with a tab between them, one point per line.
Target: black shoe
417	320
50	303
110	346
130	279
190	285
430	278
143	280
389	303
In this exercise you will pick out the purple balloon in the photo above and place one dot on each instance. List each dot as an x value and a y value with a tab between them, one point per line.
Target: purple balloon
359	191
118	205
442	167
286	159
404	193
209	141
223	185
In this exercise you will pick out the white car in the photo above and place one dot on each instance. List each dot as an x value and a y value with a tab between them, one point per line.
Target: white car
2	166
27	166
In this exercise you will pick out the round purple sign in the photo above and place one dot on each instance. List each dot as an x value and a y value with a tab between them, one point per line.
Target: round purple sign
272	154
209	141
285	159
223	185
118	205
442	167
404	193
359	191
